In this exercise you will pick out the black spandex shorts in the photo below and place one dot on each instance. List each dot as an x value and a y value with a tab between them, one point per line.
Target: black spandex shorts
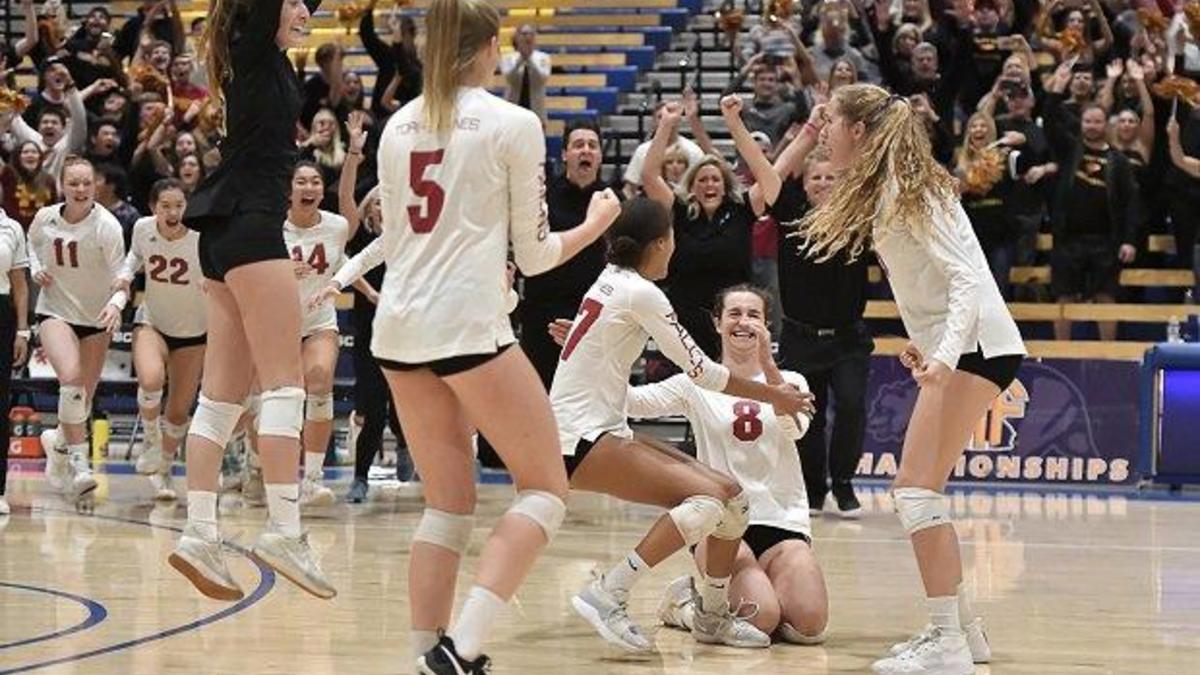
999	370
242	239
445	367
582	448
760	538
81	332
174	343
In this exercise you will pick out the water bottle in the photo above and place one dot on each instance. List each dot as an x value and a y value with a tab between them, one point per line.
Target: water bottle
1173	335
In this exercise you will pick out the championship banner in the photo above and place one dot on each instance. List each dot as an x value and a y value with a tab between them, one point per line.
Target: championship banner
1061	421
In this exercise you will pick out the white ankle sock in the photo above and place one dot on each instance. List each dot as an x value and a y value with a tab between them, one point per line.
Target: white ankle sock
714	594
966	612
474	621
313	462
421	641
625	574
943	614
202	512
283	503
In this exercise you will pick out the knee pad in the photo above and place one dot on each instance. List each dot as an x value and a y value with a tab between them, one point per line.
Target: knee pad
149	399
282	412
735	520
175	431
451	531
789	633
72	404
216	420
253	405
697	517
543	508
318	407
920	508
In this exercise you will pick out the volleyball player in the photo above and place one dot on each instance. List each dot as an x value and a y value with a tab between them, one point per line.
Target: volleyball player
14	331
168	341
965	349
76	250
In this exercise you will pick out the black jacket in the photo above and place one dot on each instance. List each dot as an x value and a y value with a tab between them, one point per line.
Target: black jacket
262	106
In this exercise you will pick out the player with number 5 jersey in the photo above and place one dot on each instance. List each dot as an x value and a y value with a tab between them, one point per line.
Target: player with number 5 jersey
461	179
168	342
619	313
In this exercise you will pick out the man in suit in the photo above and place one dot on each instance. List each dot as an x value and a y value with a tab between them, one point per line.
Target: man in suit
526	72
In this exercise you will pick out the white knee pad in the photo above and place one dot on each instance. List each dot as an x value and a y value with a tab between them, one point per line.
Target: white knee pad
149	399
543	508
282	412
735	520
697	517
72	404
451	531
920	508
318	407
216	420
175	431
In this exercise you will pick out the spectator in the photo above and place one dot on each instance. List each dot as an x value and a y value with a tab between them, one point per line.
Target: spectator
526	71
1095	214
767	112
58	134
1085	32
104	144
982	170
985	42
190	170
112	187
154	20
91	53
399	68
354	97
148	162
324	89
26	185
771	37
557	293
940	137
189	97
675	165
115	106
832	43
12	54
635	170
324	147
926	77
185	144
1184	181
895	54
52	92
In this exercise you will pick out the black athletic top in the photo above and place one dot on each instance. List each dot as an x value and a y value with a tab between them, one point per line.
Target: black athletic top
262	105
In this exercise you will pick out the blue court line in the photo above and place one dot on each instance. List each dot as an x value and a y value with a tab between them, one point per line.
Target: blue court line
96	614
265	583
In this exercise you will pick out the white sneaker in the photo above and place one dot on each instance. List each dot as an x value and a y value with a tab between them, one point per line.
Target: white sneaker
199	559
677	609
315	495
83	482
164	491
5	509
981	651
727	628
937	655
608	612
58	469
294	559
151	461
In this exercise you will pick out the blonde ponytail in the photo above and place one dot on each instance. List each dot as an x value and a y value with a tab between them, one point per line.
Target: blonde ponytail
455	32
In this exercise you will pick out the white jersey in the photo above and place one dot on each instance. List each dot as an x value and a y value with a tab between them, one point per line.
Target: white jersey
14	253
618	314
174	302
83	259
452	204
323	247
742	438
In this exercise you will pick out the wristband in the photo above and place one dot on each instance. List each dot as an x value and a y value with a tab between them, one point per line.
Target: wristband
26	333
809	126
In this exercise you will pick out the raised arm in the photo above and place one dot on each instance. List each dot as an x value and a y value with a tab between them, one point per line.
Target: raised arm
767	183
1106	96
1105	41
790	162
653	183
1146	132
691	109
1189	165
31	37
347	206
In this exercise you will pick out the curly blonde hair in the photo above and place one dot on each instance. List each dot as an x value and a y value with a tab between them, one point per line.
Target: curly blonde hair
684	191
895	170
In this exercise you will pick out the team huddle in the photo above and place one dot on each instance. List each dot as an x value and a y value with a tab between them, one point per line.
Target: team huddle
461	188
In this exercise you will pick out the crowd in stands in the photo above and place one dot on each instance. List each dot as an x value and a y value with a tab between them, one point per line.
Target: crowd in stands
1074	118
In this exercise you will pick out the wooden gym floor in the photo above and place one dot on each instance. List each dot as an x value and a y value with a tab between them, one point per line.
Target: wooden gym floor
1080	582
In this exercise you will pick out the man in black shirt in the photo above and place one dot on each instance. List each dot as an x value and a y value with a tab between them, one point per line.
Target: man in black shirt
825	340
325	88
557	293
1027	200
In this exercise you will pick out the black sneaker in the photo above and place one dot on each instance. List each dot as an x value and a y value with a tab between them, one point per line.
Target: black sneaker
847	503
816	505
443	659
358	491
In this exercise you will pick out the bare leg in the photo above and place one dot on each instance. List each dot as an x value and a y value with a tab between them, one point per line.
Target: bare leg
320	353
184	368
799	585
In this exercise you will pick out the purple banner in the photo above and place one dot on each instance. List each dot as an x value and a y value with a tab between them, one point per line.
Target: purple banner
1062	421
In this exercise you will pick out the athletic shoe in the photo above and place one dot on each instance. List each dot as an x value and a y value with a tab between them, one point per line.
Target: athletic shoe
358	491
938	655
254	493
727	628
164	491
848	506
151	461
83	482
5	509
315	495
199	559
443	659
678	606
981	651
58	469
608	612
789	633
816	507
405	470
293	558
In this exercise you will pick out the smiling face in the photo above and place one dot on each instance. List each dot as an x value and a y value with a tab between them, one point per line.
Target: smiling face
1075	21
842	137
842	74
30	157
1081	85
324	125
708	188
293	19
181	68
307	189
743	316
979	132
160	57
818	181
353	84
50	126
169	207
97	22
79	186
106	140
185	144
